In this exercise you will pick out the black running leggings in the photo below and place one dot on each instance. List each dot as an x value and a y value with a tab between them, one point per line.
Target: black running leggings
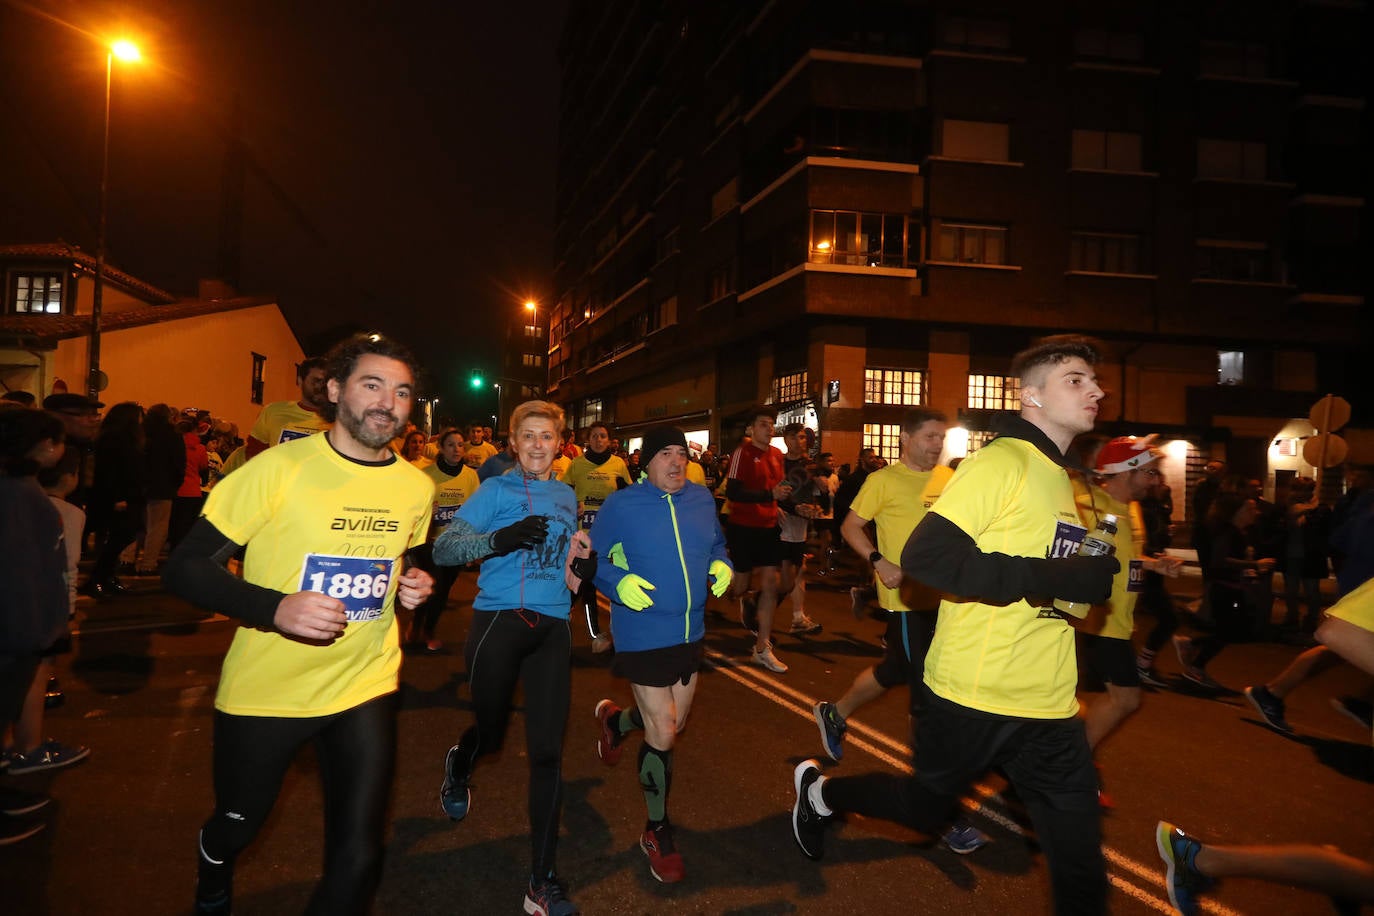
356	751
503	647
427	614
1155	598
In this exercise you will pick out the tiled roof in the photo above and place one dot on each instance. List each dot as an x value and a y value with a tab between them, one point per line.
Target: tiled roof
74	255
62	327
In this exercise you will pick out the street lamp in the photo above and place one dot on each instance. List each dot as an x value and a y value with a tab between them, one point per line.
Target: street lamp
125	51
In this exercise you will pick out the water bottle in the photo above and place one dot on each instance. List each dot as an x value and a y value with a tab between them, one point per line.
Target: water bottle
1101	543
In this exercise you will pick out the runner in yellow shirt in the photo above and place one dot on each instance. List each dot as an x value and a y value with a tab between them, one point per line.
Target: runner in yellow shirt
453	483
1000	674
326	522
282	421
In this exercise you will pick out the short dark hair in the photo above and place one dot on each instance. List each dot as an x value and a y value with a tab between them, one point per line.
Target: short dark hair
791	429
599	424
761	410
1053	350
20	397
21	429
69	463
343	358
917	417
307	365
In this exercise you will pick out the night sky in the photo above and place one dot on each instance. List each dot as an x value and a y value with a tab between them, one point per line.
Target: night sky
400	156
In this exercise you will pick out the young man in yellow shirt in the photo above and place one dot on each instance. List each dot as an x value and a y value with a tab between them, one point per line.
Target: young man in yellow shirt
1000	675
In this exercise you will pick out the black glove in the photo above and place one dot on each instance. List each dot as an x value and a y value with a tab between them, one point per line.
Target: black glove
585	567
1086	579
528	532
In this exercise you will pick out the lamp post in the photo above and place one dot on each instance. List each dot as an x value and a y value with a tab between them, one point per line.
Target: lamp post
126	51
533	308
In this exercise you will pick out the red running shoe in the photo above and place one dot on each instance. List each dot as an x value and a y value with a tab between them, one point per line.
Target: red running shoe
665	862
608	742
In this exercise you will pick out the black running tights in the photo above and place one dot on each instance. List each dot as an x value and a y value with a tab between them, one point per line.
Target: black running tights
356	751
503	647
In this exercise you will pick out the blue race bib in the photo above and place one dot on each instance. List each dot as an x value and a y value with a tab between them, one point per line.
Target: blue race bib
361	583
1068	537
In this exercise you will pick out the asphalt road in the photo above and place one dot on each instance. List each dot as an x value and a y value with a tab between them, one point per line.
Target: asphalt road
140	684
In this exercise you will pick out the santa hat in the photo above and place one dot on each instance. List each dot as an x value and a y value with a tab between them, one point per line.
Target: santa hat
1126	453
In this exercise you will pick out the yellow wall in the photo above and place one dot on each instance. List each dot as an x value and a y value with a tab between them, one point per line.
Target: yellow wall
204	362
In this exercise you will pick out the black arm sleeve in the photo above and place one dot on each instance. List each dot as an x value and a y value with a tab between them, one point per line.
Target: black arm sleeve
738	492
196	572
940	554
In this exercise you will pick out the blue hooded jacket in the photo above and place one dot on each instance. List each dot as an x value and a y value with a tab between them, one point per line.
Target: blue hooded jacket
670	539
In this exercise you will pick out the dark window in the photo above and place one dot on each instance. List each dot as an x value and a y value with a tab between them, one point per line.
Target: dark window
259	374
1107	252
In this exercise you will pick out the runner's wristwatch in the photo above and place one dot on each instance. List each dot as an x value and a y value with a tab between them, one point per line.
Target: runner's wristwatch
875	556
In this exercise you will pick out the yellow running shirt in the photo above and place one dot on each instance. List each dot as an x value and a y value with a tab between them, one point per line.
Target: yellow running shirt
282	421
896	498
1015	659
449	494
313	520
592	483
1356	607
1116	618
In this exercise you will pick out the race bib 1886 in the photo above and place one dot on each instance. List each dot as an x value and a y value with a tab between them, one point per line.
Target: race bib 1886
360	583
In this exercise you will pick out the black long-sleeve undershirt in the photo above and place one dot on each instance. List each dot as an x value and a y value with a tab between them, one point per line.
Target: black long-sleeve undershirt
196	572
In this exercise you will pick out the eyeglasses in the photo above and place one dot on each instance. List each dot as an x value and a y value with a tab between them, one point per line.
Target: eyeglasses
1151	472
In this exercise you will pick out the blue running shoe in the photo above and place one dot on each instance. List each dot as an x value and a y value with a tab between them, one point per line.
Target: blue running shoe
546	898
1185	883
833	727
964	838
454	796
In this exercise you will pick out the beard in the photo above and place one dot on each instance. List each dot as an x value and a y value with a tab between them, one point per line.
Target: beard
358	428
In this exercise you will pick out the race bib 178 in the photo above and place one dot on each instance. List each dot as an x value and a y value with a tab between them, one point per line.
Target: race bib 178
361	583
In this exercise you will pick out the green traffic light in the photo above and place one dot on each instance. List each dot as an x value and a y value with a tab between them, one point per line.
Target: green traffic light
477	381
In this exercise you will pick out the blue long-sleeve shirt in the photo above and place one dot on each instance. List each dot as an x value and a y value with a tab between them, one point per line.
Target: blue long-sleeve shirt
670	539
530	579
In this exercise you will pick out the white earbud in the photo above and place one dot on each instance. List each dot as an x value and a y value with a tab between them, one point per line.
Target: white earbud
1030	399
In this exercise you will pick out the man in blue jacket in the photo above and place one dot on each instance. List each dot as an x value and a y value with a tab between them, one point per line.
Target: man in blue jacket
664	544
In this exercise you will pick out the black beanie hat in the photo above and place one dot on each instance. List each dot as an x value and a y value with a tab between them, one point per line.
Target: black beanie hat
657	438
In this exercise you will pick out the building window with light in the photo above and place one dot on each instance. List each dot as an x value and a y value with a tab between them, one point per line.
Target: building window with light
531	360
903	387
994	392
38	294
721	282
1230	367
788	389
968	243
885	439
859	239
589	413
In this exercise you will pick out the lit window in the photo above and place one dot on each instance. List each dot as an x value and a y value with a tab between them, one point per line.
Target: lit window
994	392
38	294
787	389
885	439
590	413
531	360
721	282
904	387
858	239
1230	367
977	438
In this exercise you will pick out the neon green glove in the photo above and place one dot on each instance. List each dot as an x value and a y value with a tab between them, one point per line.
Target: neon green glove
723	574
631	591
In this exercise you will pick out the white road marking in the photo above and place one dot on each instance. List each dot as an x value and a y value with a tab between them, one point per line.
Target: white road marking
894	753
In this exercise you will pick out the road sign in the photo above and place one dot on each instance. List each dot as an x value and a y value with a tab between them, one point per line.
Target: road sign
1330	413
1325	450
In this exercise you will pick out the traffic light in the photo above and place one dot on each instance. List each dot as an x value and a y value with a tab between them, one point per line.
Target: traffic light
477	380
